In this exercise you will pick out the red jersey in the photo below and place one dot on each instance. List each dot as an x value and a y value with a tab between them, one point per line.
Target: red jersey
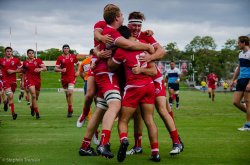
130	59
102	64
148	39
100	25
211	78
29	67
67	62
6	64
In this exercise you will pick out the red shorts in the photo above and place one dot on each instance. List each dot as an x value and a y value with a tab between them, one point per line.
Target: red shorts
36	83
160	88
133	96
212	86
66	82
9	84
106	82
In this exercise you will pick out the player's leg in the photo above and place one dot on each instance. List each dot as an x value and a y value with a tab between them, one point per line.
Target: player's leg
125	115
138	127
209	91
70	99
92	126
10	93
171	96
147	115
213	94
88	99
34	105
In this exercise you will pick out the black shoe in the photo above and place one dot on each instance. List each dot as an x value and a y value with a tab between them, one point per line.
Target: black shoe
5	107
70	114
99	152
89	152
209	95
37	116
104	150
14	116
155	158
32	112
122	150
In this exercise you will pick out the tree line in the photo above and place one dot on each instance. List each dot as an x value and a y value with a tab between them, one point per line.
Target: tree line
200	52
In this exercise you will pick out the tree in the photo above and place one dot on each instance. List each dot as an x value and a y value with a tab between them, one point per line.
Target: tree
50	54
173	52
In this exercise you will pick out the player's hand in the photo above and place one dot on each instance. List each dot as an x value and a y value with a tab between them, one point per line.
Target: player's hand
10	71
136	69
232	84
77	73
151	49
93	65
104	53
107	39
145	58
37	70
63	70
149	32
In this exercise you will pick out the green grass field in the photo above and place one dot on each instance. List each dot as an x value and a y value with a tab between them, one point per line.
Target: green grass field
208	129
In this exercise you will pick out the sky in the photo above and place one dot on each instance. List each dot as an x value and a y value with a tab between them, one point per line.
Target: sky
71	21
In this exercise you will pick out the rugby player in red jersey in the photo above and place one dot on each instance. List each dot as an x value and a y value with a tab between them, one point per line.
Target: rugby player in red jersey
32	68
107	82
10	66
162	105
211	81
65	64
139	91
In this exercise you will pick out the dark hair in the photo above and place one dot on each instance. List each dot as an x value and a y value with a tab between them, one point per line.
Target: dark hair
30	50
65	46
8	47
91	51
124	31
244	39
136	15
172	61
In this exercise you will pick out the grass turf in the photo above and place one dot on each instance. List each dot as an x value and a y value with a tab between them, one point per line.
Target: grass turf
208	129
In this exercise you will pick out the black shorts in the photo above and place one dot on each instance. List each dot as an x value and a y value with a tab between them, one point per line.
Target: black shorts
174	86
242	84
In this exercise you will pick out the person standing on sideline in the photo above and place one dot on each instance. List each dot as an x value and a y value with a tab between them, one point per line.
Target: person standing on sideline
10	66
173	79
225	86
203	85
32	68
65	64
242	80
211	81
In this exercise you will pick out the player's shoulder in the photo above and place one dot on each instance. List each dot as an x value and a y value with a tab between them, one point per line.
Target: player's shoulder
100	24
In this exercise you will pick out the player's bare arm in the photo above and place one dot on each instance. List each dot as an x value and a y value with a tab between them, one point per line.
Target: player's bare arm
151	70
157	55
106	39
133	45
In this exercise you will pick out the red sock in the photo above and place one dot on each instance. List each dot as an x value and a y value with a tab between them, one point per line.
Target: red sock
154	148
86	143
85	112
123	136
12	108
69	108
171	114
105	137
175	137
36	110
138	137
